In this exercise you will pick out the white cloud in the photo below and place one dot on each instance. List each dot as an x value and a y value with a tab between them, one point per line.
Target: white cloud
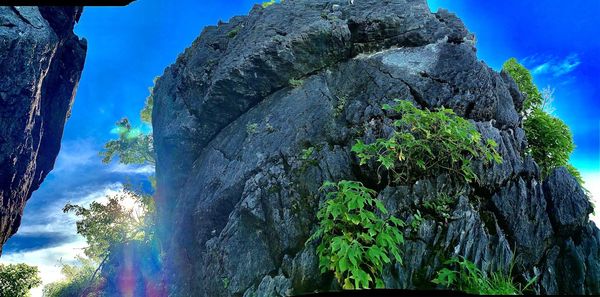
55	221
592	183
131	169
48	261
74	154
551	65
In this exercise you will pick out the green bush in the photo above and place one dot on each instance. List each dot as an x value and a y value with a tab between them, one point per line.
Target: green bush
355	240
428	143
18	279
470	279
524	81
269	3
550	141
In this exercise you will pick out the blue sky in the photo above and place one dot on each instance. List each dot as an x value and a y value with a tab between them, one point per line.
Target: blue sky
129	46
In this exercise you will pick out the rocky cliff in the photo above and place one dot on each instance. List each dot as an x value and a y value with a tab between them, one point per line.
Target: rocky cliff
237	199
41	61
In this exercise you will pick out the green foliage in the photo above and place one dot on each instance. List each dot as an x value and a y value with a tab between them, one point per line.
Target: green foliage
234	32
126	216
356	241
225	282
427	144
440	206
132	147
269	3
307	153
470	279
146	113
18	279
296	82
78	280
575	173
251	128
524	81
550	140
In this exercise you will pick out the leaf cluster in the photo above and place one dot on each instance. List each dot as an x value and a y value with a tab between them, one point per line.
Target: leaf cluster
356	241
125	216
524	80
269	3
550	141
132	146
428	143
76	282
18	279
470	279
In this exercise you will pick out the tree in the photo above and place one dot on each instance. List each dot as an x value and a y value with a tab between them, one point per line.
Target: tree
121	219
126	216
18	279
133	147
76	282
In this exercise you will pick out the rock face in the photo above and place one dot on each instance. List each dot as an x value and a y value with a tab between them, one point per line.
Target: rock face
237	199
40	65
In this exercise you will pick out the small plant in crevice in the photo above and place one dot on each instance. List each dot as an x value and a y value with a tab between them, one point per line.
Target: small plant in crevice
295	82
269	3
356	240
440	206
470	279
341	104
307	153
251	128
233	33
426	144
225	282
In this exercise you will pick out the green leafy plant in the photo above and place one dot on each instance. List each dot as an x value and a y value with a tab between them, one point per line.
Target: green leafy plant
296	82
440	206
269	3
234	32
470	279
355	240
132	147
524	80
307	153
251	128
427	143
550	141
18	279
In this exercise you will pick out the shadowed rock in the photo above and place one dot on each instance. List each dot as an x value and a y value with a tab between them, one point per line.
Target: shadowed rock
40	65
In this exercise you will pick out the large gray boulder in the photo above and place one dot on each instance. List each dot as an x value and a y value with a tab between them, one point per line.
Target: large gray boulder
237	199
40	65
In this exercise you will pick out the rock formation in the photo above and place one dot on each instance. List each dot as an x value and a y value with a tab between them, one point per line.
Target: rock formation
237	201
41	61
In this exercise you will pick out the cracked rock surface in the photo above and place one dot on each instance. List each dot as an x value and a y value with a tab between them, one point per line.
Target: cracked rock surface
237	199
41	61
